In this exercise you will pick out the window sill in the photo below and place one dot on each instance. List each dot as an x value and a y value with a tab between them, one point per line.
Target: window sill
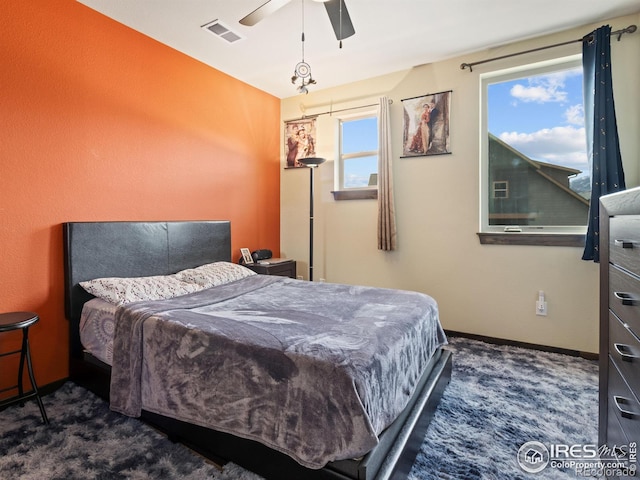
361	194
541	239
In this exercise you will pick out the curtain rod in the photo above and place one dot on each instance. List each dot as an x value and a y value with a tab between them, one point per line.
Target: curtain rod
330	112
619	33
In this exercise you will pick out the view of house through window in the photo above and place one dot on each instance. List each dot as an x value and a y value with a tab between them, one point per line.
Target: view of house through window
358	164
535	159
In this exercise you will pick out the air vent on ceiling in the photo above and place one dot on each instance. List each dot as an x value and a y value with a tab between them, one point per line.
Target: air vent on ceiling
222	31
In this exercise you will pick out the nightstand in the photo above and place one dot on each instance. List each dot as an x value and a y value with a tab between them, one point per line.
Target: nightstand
283	269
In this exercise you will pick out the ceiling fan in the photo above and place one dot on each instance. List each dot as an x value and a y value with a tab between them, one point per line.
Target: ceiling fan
336	9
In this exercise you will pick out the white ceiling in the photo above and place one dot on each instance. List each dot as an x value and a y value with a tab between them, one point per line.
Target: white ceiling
391	35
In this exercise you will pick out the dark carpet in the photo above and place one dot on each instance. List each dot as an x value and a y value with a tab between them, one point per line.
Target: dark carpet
499	398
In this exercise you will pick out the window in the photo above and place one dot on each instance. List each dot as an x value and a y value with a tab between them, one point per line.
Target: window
535	173
500	189
357	166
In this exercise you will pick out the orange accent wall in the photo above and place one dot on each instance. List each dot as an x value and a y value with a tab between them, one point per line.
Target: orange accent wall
99	122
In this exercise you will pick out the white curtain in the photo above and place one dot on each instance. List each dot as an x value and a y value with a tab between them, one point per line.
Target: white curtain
386	208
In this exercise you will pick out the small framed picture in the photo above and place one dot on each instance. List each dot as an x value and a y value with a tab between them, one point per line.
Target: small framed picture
246	255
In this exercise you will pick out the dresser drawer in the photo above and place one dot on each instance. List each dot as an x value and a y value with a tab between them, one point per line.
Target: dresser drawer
624	297
624	349
623	404
616	439
624	242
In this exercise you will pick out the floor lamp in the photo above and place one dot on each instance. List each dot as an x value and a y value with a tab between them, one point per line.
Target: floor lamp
312	163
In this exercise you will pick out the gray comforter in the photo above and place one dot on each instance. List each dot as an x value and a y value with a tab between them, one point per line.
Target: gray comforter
314	370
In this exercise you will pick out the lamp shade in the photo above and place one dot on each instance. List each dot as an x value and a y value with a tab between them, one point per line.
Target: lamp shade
312	161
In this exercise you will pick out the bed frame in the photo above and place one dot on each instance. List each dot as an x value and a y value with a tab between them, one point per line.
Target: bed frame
130	249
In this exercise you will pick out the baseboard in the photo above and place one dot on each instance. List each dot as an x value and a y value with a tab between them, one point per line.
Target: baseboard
532	346
51	387
42	390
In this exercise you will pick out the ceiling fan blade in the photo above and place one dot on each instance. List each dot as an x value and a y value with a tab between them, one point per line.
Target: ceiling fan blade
333	10
263	11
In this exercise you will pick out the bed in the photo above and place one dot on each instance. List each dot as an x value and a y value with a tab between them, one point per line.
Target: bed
369	444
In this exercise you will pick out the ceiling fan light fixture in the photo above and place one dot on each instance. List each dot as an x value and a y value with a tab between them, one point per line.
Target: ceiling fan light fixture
302	70
338	16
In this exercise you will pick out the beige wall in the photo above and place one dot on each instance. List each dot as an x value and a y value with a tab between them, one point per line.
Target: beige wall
481	289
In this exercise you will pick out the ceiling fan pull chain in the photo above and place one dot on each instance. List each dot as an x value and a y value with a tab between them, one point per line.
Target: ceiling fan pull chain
340	44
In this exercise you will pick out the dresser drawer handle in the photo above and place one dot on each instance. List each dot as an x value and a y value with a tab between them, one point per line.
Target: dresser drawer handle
626	357
625	298
621	402
624	243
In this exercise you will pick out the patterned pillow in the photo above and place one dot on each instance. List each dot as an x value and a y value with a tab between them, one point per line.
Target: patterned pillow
214	274
126	290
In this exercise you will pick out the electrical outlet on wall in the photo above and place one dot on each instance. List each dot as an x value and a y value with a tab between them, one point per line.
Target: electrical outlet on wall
541	304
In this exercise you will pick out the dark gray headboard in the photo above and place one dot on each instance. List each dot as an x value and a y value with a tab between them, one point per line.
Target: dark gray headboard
135	249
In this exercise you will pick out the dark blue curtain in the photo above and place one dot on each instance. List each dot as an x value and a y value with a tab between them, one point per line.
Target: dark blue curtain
603	147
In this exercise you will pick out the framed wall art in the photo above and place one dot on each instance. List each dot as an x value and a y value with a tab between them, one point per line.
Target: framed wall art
246	256
300	140
426	125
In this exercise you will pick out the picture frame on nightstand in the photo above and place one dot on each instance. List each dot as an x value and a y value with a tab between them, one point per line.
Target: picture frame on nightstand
246	256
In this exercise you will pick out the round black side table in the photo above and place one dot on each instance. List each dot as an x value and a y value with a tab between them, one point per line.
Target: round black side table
21	321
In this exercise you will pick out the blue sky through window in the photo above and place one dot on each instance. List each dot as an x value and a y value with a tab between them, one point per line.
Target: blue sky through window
359	135
542	116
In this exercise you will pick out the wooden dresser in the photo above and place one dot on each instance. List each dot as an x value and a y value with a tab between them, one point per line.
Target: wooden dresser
619	422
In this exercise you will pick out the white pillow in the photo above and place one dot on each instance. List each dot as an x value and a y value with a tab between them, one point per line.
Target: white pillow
126	290
214	274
